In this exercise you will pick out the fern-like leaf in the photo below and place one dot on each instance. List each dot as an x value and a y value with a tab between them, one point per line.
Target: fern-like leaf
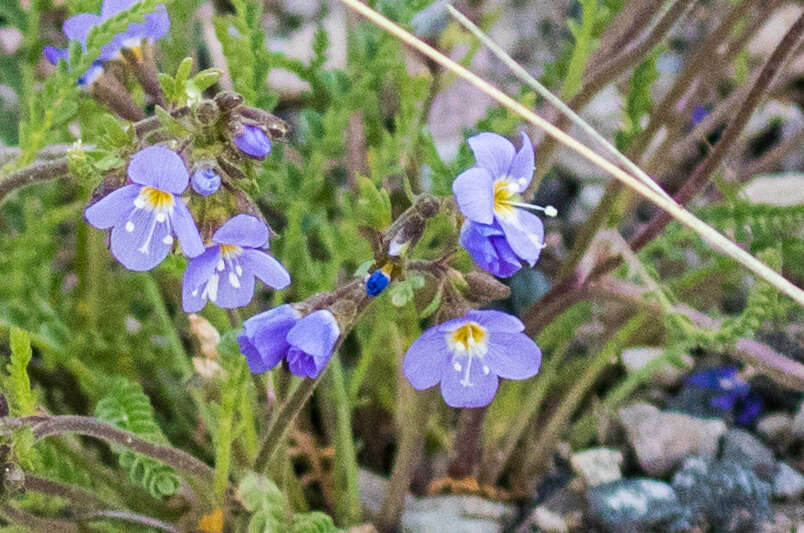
127	407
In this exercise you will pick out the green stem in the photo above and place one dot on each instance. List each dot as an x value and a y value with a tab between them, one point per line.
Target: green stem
348	503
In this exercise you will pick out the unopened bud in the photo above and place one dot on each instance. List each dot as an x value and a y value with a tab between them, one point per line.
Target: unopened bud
550	211
228	100
207	112
484	287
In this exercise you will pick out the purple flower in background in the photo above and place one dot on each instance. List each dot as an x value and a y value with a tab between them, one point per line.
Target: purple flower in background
205	181
253	141
487	245
224	274
488	195
467	355
263	340
736	392
698	114
145	215
306	343
155	26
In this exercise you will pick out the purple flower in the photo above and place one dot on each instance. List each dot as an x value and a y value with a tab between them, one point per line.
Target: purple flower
205	181
487	245
264	337
77	28
467	355
224	274
146	214
306	343
253	141
736	392
489	194
698	114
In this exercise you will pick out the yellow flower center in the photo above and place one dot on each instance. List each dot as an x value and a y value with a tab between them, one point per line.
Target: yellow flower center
469	339
230	250
156	198
505	192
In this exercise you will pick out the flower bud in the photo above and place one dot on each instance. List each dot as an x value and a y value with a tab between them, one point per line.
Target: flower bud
207	112
482	287
253	142
205	180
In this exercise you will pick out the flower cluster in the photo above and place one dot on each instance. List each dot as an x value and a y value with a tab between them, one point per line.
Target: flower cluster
76	28
146	214
499	233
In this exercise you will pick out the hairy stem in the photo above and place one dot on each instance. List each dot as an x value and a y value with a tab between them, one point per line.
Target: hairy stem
46	426
34	173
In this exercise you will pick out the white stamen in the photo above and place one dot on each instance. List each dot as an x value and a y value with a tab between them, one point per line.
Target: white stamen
168	239
522	182
144	248
238	270
194	293
129	226
161	216
234	281
486	370
139	202
550	211
221	265
457	366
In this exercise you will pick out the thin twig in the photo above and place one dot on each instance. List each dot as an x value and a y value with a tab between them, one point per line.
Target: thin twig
127	516
35	523
78	496
706	232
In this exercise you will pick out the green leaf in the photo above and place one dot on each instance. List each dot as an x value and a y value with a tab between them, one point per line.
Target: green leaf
373	205
23	401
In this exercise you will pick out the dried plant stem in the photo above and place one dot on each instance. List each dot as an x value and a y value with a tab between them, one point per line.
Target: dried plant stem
704	170
34	523
706	232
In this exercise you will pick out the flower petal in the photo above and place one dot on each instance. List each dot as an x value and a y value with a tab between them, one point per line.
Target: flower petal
425	359
196	276
315	334
496	321
243	230
77	27
265	267
159	167
113	208
253	141
157	24
525	234
145	245
491	252
234	290
303	364
513	355
110	8
478	391
184	226
265	334
522	166
53	54
492	152
474	193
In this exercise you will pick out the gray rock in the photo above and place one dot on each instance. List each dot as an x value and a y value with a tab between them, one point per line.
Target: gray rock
775	428
635	505
597	465
788	483
668	374
372	492
662	439
746	450
723	495
469	514
543	519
